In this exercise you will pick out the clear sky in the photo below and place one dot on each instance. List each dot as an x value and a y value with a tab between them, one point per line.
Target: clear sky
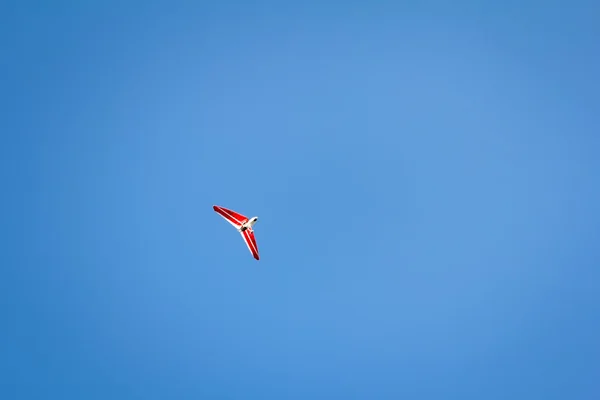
426	180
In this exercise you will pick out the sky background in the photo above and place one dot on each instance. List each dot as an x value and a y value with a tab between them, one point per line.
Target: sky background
426	180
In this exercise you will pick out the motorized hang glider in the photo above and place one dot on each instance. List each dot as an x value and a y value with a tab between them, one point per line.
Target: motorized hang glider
243	225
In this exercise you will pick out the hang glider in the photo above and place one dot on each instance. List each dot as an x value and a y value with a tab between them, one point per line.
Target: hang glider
243	225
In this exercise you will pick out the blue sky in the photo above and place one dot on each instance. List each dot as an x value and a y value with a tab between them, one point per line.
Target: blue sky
426	181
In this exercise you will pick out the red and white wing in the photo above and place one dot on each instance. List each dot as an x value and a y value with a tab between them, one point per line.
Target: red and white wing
248	236
234	218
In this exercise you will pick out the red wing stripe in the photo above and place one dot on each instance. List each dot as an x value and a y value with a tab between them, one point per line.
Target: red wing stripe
229	215
251	243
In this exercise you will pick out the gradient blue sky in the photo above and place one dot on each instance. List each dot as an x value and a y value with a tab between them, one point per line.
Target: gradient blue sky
426	180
